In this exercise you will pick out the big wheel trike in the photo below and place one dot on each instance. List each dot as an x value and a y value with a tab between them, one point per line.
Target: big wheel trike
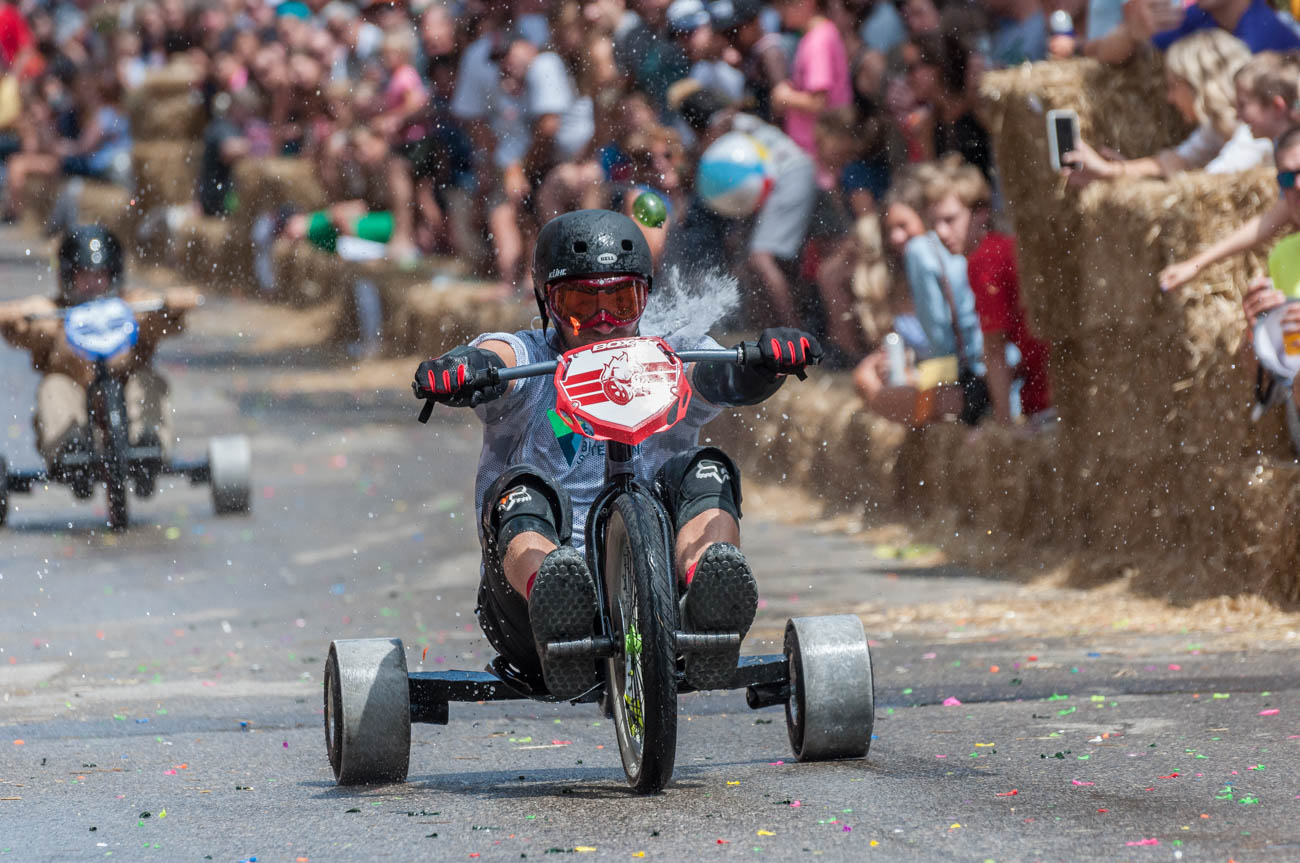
100	330
620	391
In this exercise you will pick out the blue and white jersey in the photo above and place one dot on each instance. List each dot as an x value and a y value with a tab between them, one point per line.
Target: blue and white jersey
522	427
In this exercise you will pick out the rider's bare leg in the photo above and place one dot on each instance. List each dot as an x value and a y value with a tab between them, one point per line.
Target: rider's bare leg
702	531
524	557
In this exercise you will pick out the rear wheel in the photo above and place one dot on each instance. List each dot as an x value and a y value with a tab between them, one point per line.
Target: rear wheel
367	711
832	705
230	473
642	672
116	452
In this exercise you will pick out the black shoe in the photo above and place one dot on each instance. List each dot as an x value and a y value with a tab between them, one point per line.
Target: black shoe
562	607
722	597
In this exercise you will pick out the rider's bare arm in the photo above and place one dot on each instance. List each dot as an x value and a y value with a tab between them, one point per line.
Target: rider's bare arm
167	321
18	328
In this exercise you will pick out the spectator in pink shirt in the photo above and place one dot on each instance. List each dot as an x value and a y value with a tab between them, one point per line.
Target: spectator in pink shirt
819	77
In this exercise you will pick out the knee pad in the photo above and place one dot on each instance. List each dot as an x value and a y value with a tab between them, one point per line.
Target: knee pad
698	480
521	500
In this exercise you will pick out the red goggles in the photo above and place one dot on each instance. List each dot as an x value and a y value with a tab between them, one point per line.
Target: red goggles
588	302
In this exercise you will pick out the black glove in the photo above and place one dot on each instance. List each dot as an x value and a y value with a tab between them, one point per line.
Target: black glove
451	378
787	351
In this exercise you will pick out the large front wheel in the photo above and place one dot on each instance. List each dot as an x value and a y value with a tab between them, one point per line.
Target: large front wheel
642	670
116	452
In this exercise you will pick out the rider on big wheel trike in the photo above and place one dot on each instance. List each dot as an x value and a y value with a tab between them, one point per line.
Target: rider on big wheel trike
592	276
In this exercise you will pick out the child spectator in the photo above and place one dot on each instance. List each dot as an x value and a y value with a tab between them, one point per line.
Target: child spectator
1199	74
819	75
932	273
937	277
763	62
1268	93
101	149
781	224
401	123
962	219
692	28
940	116
832	252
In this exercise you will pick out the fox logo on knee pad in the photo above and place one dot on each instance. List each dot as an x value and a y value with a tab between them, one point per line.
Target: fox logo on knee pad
518	494
712	470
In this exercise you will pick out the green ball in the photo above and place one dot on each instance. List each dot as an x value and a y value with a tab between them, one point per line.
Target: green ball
650	210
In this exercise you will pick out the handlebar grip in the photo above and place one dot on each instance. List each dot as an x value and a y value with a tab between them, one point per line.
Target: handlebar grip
749	353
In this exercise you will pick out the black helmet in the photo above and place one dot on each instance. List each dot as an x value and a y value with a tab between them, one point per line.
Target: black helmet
89	249
588	243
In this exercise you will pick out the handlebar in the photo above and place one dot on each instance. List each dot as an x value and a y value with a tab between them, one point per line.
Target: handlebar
137	306
745	353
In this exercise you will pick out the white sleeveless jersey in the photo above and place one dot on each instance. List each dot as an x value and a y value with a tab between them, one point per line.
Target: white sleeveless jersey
522	427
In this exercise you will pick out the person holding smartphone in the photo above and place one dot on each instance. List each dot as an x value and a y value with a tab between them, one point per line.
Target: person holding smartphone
1268	89
1199	74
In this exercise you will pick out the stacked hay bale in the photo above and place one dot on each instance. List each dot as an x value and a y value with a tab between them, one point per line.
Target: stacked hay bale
1157	460
1124	110
266	186
816	437
421	318
166	113
111	206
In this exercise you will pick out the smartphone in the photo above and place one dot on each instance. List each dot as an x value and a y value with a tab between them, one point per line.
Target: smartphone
1062	135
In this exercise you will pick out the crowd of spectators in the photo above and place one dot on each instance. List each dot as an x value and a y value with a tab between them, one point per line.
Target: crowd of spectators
458	127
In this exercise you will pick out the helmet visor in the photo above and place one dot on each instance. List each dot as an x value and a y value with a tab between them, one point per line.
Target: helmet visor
588	302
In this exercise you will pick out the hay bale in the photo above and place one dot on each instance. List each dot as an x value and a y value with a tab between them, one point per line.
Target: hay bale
1133	230
847	457
166	172
1122	108
429	321
207	251
268	184
177	78
39	195
304	274
178	117
111	206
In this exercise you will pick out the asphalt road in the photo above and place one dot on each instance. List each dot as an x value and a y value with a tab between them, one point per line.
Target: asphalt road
160	692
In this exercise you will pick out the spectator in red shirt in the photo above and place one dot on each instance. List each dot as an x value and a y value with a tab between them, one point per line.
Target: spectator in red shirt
15	37
963	222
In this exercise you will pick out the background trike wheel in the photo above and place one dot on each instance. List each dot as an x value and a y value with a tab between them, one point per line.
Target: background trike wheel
367	711
642	672
230	466
4	490
832	705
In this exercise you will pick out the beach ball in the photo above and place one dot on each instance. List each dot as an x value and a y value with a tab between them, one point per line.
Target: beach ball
733	177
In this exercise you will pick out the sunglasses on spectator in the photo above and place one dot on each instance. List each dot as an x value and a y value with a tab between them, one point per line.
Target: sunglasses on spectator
1286	179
